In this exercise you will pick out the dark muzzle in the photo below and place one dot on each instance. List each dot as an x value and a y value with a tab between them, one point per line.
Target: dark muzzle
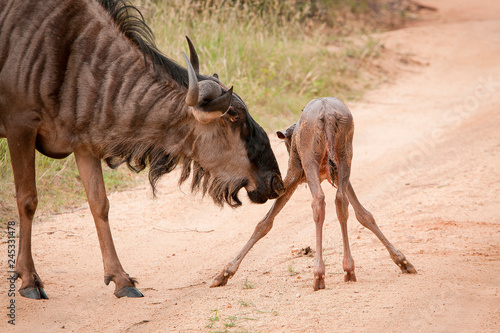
271	189
277	186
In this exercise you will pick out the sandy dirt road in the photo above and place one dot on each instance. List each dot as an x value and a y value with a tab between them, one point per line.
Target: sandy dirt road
427	151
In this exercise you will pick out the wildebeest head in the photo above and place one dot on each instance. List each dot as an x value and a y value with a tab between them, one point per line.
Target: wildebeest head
230	150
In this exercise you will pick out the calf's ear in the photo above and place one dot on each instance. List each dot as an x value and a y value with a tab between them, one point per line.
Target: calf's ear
281	135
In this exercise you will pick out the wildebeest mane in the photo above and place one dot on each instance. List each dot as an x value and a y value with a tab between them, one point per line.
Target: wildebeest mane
131	23
138	157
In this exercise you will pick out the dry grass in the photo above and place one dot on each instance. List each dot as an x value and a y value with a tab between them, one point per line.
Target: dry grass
277	54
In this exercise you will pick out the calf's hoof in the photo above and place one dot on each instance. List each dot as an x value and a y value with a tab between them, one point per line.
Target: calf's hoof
406	267
128	292
349	276
33	293
319	282
221	279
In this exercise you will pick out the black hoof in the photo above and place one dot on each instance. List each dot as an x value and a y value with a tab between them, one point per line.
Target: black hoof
128	292
33	293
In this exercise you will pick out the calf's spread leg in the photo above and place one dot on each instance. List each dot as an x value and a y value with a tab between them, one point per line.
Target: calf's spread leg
318	207
367	220
342	205
21	142
90	171
264	226
339	139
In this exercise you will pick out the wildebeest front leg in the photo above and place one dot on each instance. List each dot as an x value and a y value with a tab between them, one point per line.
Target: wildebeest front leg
90	171
21	144
367	220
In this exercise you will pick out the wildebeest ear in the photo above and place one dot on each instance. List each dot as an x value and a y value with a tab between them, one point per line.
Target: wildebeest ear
220	103
216	76
281	135
211	107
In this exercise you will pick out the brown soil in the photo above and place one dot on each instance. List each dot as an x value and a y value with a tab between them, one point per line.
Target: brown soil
427	150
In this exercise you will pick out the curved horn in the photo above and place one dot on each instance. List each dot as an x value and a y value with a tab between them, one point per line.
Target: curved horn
193	89
204	97
193	56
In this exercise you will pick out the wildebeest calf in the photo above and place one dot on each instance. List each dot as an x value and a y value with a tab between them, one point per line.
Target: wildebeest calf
320	147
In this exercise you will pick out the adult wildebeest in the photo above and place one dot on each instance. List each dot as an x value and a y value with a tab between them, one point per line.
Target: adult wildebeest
320	147
84	77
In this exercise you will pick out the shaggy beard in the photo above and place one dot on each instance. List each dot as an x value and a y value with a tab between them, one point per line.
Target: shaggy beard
221	190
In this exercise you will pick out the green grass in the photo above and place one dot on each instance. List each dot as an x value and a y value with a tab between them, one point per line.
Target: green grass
231	321
213	319
292	271
217	321
278	55
248	285
245	303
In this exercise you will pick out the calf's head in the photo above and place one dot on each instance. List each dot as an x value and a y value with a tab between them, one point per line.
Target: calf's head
229	149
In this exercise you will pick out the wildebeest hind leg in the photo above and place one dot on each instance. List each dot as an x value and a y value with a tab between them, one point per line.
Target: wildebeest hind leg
90	171
367	220
21	142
